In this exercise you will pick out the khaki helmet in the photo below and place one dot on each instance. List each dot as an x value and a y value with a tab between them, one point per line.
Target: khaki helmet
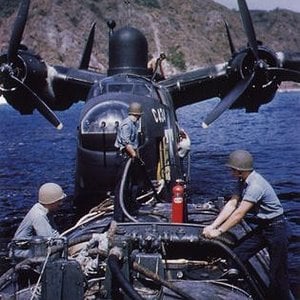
240	160
135	109
50	193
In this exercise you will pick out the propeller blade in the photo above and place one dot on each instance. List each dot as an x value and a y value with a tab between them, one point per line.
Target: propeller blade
284	74
18	30
232	48
228	100
40	105
248	27
85	60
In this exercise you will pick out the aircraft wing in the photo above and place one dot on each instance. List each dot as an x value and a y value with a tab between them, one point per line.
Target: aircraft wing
219	80
249	79
243	82
197	85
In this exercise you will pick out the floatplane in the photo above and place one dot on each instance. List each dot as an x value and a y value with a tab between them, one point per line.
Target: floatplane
159	251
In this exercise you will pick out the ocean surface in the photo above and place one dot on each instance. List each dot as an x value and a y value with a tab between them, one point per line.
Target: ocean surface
33	152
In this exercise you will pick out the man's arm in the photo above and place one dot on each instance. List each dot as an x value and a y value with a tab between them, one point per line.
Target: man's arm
227	210
130	150
43	228
233	219
125	133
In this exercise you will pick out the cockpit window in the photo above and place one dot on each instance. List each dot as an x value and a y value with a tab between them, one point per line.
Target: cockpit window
136	89
143	89
117	88
104	117
122	84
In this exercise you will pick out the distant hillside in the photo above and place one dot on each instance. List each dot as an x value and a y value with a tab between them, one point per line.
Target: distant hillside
190	32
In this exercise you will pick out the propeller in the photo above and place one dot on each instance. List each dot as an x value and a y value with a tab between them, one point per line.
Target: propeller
242	85
9	70
248	27
228	100
40	105
232	48
85	60
17	31
284	74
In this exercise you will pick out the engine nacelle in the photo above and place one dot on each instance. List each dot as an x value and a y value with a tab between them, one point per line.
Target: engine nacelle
263	87
29	69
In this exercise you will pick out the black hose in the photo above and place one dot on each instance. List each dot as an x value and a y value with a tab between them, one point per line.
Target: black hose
122	185
235	258
113	264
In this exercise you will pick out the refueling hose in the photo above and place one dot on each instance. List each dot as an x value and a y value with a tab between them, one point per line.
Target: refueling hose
113	262
121	192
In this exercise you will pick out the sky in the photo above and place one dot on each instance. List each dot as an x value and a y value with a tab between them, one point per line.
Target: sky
264	4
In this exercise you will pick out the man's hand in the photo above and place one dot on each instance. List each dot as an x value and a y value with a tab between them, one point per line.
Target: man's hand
213	233
130	151
207	229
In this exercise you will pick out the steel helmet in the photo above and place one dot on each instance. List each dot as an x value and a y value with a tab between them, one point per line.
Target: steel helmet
240	160
135	109
50	193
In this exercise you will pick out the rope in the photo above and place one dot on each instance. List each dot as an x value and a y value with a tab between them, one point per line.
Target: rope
42	272
94	213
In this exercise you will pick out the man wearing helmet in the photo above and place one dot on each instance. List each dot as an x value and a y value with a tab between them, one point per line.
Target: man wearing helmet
255	193
127	144
127	136
36	222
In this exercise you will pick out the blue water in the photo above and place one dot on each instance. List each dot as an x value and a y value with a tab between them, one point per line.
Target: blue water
32	152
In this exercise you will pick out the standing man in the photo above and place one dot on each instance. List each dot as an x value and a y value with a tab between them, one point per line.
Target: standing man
37	222
255	193
127	135
127	144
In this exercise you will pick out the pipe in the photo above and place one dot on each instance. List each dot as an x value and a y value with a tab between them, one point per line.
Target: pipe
137	267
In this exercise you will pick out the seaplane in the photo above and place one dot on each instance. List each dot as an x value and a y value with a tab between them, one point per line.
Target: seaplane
158	252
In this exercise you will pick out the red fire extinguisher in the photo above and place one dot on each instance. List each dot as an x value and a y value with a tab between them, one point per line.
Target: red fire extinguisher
178	202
